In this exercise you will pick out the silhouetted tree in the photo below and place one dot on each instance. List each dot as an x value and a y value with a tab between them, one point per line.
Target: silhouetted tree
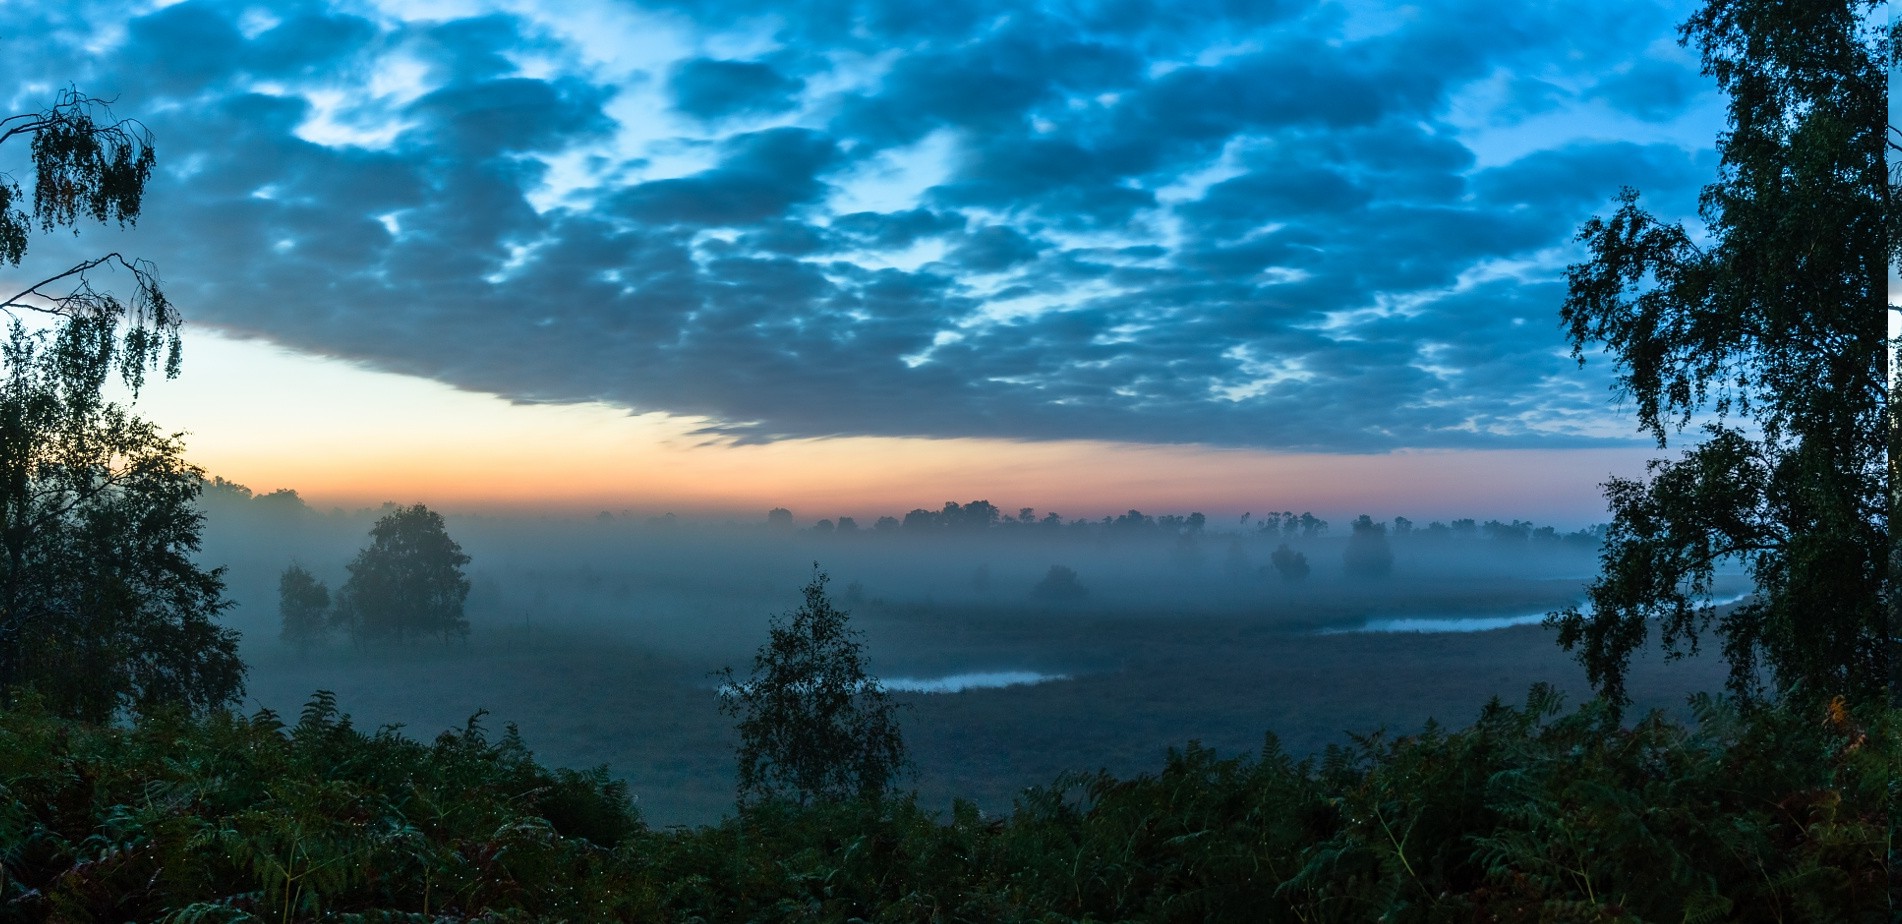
975	516
1511	536
407	581
282	505
1289	526
88	164
1767	330
779	518
1059	584
1290	564
303	603
101	605
1368	554
815	725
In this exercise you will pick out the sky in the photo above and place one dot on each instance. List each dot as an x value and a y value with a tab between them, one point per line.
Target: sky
858	257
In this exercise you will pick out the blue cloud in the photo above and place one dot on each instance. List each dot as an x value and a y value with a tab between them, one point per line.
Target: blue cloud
762	175
712	89
1263	224
1651	89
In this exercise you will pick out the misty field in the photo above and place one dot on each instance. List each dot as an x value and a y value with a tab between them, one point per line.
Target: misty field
597	639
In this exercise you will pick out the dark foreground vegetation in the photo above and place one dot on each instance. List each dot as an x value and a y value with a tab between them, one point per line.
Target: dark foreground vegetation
1534	813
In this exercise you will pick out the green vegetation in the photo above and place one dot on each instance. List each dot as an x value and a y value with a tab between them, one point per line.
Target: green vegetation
102	607
1768	330
1528	815
1059	584
815	726
1290	564
1368	555
303	603
407	582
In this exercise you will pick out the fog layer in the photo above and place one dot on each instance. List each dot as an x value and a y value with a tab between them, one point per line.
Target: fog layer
1025	645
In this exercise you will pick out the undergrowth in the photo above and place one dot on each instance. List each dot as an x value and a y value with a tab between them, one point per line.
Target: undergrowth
1532	813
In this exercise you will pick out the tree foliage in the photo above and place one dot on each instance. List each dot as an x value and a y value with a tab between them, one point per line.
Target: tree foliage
407	582
87	164
1290	564
815	725
101	605
303	603
1368	554
1529	815
1766	331
1060	584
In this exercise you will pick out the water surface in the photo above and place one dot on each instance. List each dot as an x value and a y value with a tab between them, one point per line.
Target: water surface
983	680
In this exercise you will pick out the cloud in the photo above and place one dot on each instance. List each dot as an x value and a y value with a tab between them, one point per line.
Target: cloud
711	90
763	175
1654	90
1271	225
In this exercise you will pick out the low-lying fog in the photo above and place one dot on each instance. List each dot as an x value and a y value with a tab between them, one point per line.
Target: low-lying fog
596	636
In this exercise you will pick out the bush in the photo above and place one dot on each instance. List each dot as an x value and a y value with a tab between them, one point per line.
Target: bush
1368	554
1528	815
1059	584
1290	564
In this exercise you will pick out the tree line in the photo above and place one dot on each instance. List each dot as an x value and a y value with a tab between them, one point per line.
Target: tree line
981	517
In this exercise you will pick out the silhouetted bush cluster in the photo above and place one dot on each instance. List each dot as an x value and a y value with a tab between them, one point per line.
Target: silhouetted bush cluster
1525	816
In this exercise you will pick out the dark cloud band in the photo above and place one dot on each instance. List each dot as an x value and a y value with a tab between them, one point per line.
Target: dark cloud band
1247	224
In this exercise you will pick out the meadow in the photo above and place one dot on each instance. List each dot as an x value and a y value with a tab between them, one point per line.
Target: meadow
596	639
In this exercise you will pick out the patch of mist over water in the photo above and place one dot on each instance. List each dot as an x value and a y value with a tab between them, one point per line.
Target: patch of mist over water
958	683
1440	624
1435	624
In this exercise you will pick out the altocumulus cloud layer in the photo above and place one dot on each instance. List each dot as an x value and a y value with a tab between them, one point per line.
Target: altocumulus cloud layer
1273	224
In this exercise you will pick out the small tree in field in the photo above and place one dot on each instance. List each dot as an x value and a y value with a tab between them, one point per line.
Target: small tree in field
303	601
1059	583
1290	564
814	725
1368	555
407	581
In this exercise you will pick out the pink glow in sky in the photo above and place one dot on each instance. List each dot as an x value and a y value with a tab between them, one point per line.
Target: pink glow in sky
344	436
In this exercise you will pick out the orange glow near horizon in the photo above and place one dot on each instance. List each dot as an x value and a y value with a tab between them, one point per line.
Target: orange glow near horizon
346	437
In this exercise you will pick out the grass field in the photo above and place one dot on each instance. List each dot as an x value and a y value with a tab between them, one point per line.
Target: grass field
1141	680
596	637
